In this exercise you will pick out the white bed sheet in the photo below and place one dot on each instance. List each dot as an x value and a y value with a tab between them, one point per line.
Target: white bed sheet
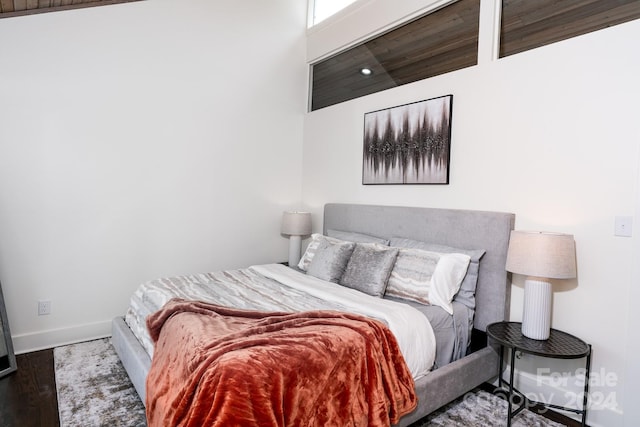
410	327
275	287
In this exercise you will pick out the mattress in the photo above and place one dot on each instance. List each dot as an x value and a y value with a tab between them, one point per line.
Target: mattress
275	287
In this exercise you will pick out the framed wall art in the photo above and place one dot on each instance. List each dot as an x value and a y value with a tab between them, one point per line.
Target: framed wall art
408	144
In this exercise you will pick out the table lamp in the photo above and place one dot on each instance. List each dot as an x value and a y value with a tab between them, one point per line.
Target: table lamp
540	256
295	225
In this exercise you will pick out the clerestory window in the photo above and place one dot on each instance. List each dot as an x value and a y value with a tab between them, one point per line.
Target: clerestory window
322	9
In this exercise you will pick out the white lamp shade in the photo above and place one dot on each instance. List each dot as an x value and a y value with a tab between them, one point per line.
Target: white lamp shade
542	254
296	223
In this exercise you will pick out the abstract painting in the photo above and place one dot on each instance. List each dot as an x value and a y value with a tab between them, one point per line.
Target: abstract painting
408	144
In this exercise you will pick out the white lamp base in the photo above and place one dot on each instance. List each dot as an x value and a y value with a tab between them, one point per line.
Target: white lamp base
295	243
536	317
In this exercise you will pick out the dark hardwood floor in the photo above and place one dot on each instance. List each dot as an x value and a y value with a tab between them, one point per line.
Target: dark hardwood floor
28	396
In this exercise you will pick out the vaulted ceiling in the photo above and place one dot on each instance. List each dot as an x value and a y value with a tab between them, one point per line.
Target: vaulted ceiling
10	8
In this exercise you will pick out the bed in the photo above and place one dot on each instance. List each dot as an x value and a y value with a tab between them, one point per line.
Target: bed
464	229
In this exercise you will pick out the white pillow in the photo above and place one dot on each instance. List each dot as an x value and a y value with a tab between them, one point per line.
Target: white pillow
427	277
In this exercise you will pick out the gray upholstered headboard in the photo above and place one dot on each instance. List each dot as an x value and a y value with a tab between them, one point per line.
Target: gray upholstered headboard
463	229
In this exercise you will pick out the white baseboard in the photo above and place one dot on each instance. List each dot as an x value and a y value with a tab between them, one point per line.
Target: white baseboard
25	343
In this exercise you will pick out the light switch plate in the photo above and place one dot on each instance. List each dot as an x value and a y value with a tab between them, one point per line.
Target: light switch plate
623	226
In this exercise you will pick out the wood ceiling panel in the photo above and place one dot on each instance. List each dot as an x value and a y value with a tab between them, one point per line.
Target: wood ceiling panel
19	4
442	41
527	24
6	6
11	8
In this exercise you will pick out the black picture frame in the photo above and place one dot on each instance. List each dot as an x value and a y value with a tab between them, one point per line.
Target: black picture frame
408	144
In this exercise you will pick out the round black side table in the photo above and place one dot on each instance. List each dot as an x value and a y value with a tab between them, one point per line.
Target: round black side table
560	345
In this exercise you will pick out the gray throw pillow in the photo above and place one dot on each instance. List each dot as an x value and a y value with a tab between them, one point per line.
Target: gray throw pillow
467	293
330	260
369	268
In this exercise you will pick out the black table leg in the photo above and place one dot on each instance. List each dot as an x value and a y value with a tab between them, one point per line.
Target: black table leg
501	366
586	389
510	397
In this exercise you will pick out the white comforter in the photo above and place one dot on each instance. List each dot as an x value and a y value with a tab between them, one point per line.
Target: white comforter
274	287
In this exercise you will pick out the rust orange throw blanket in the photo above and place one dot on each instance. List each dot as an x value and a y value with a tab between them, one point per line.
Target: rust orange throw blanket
217	366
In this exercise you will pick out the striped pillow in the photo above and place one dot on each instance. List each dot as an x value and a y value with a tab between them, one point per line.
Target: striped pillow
466	294
427	277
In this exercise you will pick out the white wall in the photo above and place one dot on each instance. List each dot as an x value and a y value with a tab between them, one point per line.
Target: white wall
142	140
551	135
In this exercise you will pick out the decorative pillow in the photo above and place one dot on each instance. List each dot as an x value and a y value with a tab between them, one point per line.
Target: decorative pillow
316	238
369	268
467	292
330	260
427	277
350	236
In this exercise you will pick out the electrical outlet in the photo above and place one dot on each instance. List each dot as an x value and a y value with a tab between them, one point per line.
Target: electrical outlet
44	307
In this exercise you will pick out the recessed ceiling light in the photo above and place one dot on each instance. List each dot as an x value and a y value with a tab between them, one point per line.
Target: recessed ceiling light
366	71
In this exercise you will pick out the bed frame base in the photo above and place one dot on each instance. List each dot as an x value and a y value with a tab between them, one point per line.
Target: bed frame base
134	358
452	381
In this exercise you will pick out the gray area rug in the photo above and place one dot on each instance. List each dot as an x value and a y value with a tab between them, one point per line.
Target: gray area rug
94	390
93	387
